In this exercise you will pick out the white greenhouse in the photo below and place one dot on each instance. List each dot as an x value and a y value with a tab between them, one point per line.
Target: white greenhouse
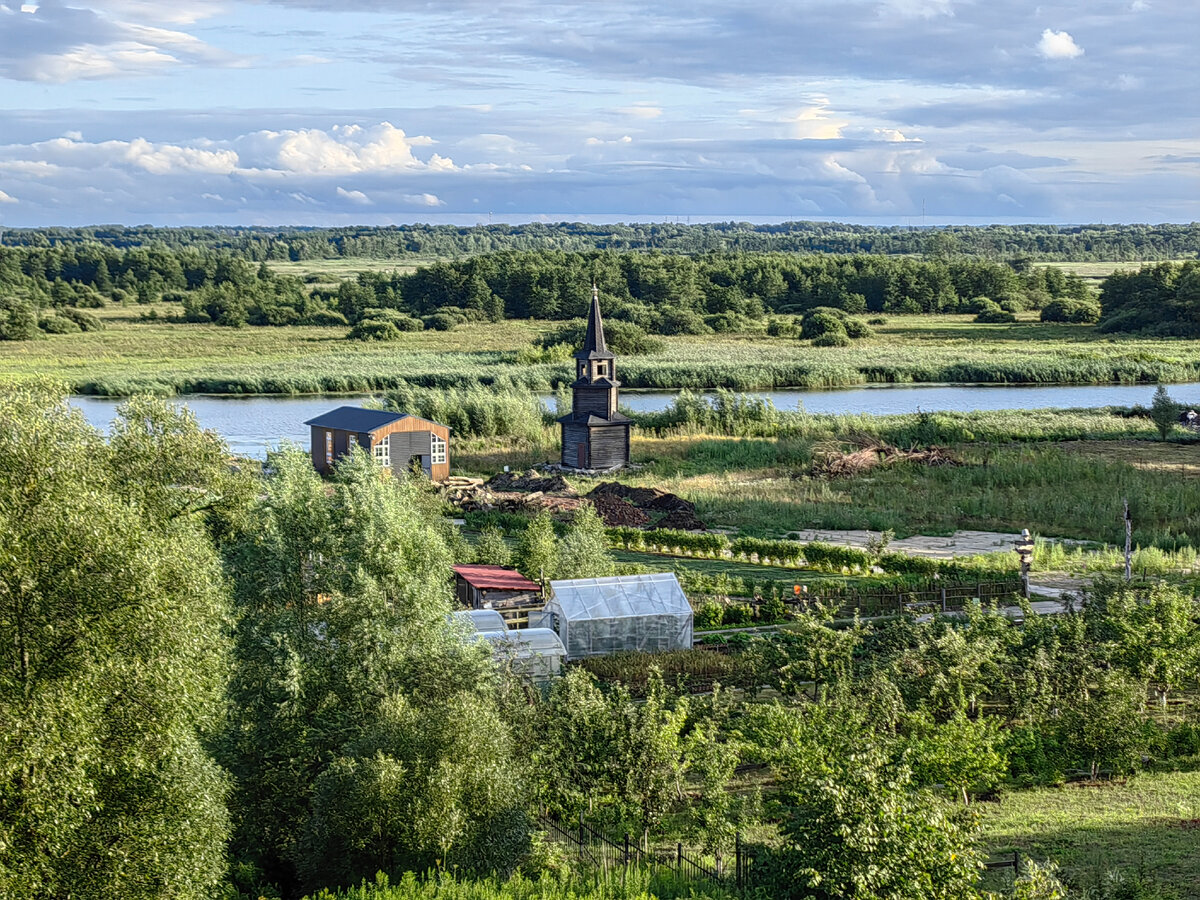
480	619
595	616
536	653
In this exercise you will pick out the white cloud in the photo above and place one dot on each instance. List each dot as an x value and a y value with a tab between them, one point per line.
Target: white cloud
56	43
354	196
423	200
6	198
1058	45
343	150
920	9
814	123
641	111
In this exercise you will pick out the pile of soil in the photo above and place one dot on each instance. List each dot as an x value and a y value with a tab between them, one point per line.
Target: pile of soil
660	509
616	512
837	464
529	481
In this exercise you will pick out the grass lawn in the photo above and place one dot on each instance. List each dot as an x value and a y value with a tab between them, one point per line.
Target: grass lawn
1148	824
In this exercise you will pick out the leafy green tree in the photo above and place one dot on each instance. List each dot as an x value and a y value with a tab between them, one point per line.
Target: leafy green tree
1149	633
112	663
1164	412
583	551
852	822
365	731
962	754
491	548
1107	726
537	551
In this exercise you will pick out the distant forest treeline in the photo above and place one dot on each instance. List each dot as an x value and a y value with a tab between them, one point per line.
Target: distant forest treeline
1046	242
49	290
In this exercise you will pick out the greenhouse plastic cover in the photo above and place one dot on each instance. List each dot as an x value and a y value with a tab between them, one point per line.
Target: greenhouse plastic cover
628	612
524	641
534	652
481	619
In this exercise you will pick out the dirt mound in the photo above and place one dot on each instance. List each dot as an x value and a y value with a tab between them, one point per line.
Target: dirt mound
616	512
529	481
653	507
834	463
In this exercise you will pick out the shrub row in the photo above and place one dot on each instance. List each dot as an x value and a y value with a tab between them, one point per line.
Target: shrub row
814	555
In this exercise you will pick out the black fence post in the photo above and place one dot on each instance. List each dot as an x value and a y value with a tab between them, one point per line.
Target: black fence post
679	859
737	859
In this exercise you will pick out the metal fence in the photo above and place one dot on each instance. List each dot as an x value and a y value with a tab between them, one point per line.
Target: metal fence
606	852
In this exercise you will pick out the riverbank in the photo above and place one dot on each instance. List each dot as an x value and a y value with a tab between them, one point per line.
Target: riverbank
132	356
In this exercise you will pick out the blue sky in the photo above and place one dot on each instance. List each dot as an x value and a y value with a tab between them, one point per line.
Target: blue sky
374	112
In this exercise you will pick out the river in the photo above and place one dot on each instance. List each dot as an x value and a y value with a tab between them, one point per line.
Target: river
252	424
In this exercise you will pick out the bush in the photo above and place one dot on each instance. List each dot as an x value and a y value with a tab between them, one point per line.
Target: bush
857	328
738	614
832	339
710	615
58	325
877	320
822	321
442	322
326	318
1067	309
681	321
623	338
992	314
85	320
374	330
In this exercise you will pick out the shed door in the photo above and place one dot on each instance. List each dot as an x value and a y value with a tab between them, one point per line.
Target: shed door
581	451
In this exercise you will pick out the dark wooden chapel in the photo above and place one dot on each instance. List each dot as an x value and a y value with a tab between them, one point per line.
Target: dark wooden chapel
595	435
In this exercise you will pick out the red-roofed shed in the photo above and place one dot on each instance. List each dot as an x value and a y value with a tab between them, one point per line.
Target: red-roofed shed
481	586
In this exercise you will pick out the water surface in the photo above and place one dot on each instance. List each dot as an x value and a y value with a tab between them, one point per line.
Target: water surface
252	424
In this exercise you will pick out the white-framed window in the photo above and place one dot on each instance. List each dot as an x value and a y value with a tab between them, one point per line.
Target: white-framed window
437	450
329	448
351	442
383	452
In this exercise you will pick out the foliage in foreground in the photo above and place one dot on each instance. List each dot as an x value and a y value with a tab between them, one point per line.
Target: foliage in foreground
112	653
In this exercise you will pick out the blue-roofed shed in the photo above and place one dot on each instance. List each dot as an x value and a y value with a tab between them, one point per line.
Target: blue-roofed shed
397	441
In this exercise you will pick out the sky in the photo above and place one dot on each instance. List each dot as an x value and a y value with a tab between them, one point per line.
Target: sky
335	112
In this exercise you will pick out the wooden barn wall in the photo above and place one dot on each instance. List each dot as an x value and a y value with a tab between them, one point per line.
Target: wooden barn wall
572	435
609	446
593	401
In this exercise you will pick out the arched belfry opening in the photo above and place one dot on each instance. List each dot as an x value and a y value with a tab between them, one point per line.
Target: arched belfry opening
595	435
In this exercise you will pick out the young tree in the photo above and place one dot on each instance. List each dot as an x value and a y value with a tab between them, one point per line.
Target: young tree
583	551
537	550
962	754
112	663
1164	412
491	549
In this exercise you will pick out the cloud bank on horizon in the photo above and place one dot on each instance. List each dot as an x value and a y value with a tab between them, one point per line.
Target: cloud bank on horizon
370	111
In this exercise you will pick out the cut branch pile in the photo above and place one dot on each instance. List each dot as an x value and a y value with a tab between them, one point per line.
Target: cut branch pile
834	462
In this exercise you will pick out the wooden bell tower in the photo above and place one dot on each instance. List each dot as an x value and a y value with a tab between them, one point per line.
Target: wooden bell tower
595	435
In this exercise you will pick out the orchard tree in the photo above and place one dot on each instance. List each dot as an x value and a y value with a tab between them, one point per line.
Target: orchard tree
112	660
853	822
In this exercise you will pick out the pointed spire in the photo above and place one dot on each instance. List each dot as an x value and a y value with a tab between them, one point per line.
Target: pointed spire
593	341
